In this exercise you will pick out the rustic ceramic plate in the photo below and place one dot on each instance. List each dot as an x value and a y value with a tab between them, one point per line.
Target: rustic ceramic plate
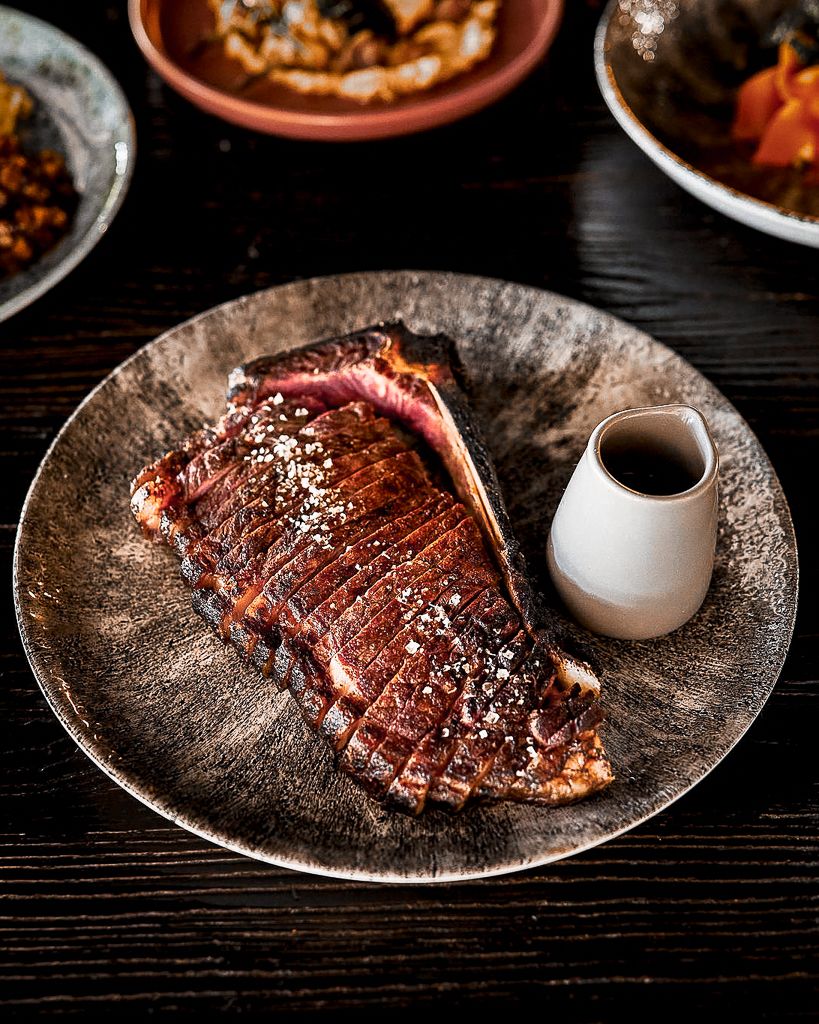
81	112
669	71
149	694
168	32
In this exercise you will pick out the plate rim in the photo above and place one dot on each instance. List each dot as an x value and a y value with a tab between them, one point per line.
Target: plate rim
115	196
782	220
350	126
41	674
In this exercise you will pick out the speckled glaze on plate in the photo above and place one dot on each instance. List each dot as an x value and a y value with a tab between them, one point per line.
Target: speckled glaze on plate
81	112
149	694
669	71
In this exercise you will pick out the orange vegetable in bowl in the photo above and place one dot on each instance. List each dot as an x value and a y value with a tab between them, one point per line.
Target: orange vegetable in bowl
757	103
790	137
779	108
787	65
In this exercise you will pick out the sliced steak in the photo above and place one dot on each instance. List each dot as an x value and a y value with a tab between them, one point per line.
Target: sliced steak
378	583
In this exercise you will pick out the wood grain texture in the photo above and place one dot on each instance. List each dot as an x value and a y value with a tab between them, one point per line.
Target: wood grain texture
713	906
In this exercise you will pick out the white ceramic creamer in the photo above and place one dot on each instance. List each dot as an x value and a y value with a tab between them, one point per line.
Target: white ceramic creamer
627	562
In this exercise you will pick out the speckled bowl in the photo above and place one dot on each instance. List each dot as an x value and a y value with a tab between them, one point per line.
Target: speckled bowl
81	112
669	71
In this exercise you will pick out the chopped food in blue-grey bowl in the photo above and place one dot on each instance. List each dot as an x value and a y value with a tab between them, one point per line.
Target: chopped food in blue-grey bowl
79	112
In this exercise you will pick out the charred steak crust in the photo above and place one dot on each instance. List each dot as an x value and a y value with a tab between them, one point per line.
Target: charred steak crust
318	541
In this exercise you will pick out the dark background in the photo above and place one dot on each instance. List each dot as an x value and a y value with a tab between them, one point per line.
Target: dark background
713	906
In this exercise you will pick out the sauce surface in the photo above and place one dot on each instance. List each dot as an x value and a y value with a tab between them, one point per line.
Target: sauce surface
648	471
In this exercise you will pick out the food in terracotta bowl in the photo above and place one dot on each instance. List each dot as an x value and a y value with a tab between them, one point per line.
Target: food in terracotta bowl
364	50
344	69
724	96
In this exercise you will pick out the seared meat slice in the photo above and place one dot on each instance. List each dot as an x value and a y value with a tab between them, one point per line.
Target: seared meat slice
343	528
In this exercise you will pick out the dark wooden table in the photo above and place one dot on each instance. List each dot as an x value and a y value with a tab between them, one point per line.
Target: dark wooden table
710	907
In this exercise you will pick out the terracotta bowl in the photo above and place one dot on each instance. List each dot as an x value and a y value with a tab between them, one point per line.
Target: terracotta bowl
669	71
167	31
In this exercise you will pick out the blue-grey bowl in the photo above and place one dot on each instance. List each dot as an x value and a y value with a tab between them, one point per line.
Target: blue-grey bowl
82	113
